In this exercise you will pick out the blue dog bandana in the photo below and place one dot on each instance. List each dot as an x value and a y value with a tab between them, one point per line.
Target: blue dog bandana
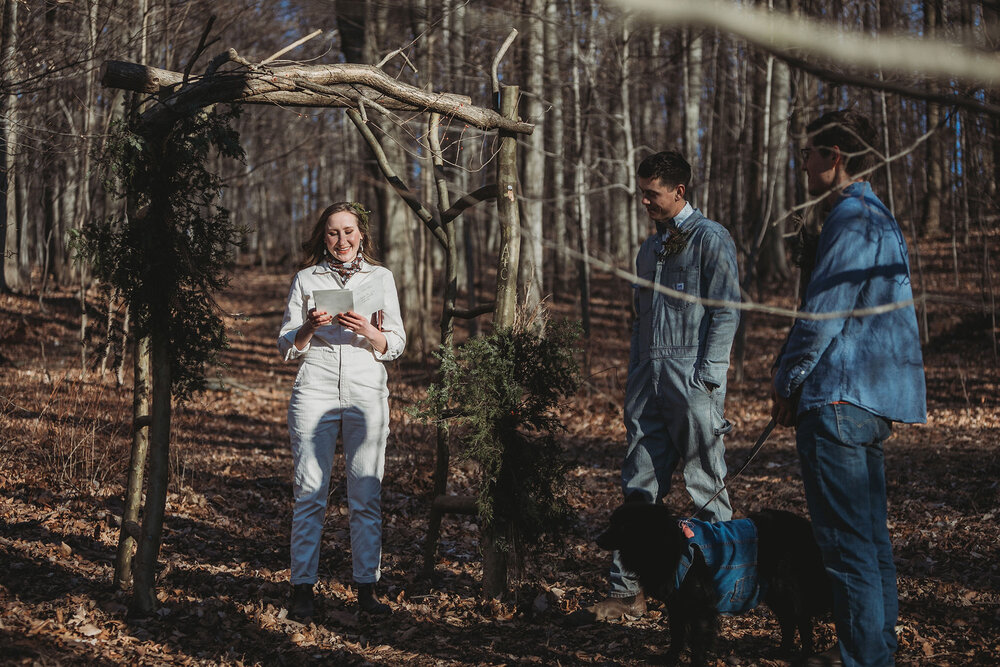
730	550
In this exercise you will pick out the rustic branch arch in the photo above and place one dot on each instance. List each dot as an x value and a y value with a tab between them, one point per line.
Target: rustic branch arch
356	88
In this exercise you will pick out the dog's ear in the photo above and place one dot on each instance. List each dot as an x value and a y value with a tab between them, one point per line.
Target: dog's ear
612	538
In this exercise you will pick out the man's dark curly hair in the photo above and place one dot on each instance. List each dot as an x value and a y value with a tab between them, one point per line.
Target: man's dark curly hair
668	166
852	132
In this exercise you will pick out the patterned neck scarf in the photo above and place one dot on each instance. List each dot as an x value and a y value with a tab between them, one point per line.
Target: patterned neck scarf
346	269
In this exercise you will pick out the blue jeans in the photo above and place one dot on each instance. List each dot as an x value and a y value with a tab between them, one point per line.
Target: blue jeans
843	471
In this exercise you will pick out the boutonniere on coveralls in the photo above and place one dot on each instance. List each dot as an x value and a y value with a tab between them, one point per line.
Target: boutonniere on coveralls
674	243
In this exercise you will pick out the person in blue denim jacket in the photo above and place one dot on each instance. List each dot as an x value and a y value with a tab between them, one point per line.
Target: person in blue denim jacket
679	357
843	379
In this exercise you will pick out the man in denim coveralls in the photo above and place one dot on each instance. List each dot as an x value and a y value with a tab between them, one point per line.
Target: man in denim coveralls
678	361
842	381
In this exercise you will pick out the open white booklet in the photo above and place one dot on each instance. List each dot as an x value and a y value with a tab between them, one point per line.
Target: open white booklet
364	301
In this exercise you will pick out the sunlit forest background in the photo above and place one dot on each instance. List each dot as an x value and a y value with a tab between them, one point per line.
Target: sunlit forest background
604	88
731	85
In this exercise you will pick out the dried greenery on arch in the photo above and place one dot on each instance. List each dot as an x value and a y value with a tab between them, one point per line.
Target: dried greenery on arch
498	394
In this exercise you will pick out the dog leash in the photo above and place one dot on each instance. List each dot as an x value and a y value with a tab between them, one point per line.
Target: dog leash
761	439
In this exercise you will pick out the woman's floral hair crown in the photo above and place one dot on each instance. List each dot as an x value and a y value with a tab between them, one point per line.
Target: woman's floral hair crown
360	211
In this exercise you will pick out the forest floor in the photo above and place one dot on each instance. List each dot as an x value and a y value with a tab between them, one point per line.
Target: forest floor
223	583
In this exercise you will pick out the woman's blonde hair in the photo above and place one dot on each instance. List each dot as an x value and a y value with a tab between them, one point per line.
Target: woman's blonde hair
315	248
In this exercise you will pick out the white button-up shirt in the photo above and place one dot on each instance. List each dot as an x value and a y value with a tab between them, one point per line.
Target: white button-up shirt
333	336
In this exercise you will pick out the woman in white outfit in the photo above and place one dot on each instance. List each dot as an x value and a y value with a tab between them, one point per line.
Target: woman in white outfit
341	384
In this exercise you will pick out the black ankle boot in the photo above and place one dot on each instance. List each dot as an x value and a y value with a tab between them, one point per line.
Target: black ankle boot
367	601
301	608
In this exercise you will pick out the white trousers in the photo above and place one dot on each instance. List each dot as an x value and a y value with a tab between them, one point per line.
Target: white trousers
320	406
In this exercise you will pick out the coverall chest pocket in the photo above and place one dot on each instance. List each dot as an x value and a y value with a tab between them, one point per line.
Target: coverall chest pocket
680	279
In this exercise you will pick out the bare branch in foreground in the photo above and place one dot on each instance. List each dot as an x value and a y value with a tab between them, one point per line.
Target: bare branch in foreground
830	76
778	32
721	303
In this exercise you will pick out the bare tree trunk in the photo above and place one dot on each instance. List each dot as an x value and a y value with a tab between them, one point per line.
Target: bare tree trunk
48	226
10	276
622	215
67	216
582	144
443	453
930	221
744	181
773	264
82	186
120	366
692	97
109	327
425	255
650	124
991	23
718	184
141	400
533	181
583	213
967	14
809	220
708	130
465	231
23	229
400	235
557	146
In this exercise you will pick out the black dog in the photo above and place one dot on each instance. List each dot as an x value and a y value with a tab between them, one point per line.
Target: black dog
789	575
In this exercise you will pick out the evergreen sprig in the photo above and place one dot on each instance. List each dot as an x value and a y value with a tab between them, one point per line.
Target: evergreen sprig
169	252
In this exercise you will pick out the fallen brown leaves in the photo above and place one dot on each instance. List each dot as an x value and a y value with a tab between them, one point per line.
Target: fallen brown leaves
223	588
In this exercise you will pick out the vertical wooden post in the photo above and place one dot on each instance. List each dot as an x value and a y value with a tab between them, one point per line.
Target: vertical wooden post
144	587
495	555
147	553
510	225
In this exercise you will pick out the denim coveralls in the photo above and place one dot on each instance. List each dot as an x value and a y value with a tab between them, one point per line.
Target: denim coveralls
677	348
855	375
341	383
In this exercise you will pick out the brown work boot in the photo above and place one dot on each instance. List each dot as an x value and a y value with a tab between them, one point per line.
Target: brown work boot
611	609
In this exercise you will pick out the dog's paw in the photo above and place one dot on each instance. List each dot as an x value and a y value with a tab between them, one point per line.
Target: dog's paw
782	652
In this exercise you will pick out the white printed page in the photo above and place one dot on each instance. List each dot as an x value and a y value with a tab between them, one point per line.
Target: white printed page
368	298
333	301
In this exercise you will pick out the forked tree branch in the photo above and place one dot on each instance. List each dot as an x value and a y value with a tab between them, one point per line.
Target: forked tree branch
426	216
